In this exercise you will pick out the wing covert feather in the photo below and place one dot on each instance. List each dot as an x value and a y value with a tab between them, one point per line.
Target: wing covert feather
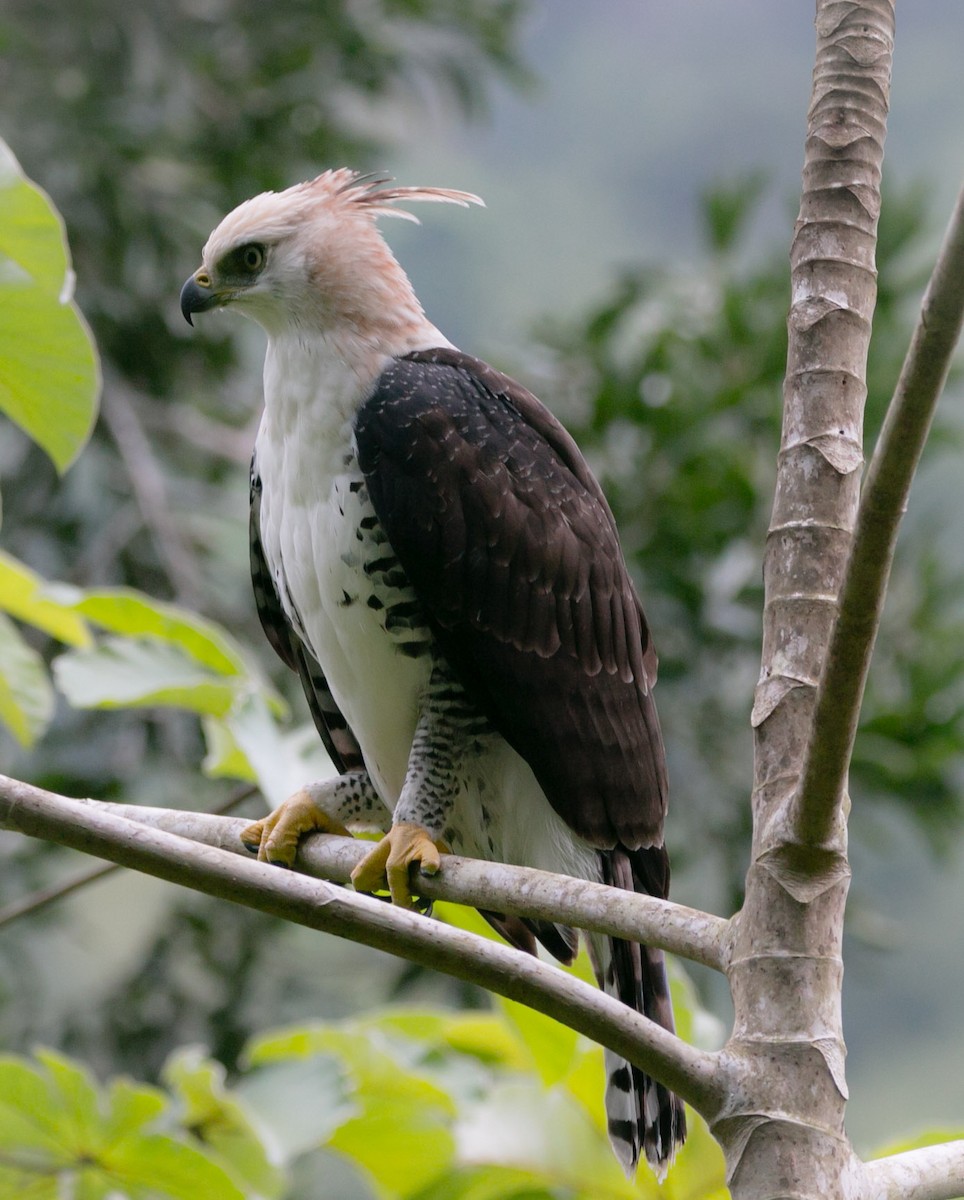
512	550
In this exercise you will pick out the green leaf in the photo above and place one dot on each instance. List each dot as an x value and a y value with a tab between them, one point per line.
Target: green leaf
123	673
281	761
552	1046
521	1124
490	1183
400	1133
154	1165
130	1107
224	758
699	1172
481	1035
218	1121
21	595
29	1121
402	1147
301	1102
49	373
25	1184
26	697
58	1127
124	611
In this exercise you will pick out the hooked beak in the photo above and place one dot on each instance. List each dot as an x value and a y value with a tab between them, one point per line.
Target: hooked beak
198	295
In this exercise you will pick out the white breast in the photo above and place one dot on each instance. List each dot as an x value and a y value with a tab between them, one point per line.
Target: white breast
313	501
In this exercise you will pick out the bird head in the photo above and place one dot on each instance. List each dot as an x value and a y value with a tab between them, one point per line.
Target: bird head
311	258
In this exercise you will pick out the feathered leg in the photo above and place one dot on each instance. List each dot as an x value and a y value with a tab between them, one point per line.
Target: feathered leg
326	807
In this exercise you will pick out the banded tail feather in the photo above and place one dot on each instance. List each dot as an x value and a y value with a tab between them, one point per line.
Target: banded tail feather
643	1116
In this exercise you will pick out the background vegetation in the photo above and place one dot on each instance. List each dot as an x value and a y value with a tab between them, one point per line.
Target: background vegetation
145	125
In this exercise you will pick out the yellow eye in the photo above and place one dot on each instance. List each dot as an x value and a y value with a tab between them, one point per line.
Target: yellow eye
252	258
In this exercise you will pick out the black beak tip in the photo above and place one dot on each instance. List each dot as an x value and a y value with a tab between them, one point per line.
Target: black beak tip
194	299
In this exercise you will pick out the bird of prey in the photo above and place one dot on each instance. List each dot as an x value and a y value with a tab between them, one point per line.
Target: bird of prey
432	555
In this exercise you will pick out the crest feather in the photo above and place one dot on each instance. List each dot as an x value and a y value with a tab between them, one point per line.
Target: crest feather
370	191
276	215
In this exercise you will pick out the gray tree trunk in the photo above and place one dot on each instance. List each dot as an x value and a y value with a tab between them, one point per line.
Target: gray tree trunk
785	1133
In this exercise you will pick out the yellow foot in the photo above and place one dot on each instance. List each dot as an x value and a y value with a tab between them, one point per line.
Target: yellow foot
391	860
275	838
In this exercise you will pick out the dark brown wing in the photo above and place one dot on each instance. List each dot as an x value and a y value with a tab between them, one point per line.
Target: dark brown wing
339	740
513	552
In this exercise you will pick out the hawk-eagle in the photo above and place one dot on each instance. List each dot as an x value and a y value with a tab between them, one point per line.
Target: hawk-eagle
434	558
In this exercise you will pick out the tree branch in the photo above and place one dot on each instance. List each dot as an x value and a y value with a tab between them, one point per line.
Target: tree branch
882	506
496	887
150	490
930	1173
833	287
40	899
43	897
698	1076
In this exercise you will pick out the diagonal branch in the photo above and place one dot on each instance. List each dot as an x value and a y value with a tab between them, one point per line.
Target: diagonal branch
929	1173
496	887
36	901
150	489
882	506
833	284
697	1076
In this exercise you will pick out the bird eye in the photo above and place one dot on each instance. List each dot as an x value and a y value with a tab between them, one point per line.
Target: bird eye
252	257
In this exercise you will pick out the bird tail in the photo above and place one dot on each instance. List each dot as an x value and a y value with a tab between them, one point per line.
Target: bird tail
643	1116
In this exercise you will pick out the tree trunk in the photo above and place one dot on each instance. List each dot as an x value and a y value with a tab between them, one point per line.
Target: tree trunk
783	1133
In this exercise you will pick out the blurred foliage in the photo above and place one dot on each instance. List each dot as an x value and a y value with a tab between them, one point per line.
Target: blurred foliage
47	351
145	123
672	386
406	1104
148	654
49	388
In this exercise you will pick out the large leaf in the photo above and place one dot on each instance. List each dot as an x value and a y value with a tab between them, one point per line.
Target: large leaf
124	673
400	1132
521	1124
49	374
220	1124
22	596
248	744
225	759
124	611
552	1046
491	1183
61	1135
26	697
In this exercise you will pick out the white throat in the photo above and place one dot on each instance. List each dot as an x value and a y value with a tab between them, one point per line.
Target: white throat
314	385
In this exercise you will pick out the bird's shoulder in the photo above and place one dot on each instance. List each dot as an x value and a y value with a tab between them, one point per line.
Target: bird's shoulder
446	395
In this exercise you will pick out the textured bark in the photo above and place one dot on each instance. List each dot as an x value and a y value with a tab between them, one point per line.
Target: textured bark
784	1131
883	502
931	1173
496	887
